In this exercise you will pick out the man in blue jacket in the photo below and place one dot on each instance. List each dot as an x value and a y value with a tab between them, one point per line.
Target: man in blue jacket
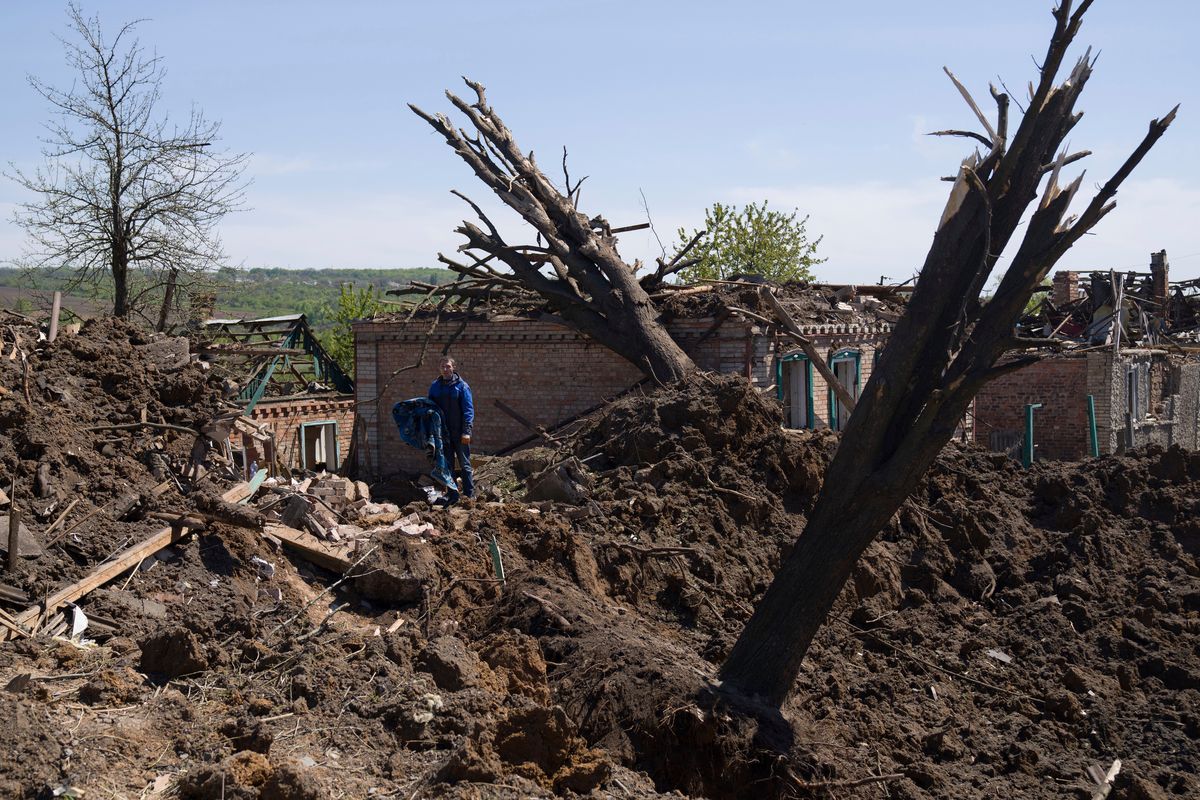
453	396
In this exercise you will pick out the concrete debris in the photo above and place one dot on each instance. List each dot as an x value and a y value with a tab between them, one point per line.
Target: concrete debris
27	545
564	482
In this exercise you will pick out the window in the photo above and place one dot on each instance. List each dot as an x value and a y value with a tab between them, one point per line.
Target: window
319	446
793	382
1137	379
845	365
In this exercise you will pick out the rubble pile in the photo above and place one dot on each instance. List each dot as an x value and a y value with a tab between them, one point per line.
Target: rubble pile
1153	311
815	303
1013	632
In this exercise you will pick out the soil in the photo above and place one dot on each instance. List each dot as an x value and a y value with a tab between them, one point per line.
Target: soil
1009	631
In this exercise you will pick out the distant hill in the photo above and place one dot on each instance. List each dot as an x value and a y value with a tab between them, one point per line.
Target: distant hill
257	292
263	292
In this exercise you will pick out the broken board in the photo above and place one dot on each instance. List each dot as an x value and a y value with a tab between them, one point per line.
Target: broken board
105	572
332	557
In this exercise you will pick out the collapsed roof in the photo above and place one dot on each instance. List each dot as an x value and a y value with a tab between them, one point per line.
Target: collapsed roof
808	303
1153	311
271	357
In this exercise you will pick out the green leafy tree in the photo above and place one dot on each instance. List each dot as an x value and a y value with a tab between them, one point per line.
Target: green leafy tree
754	240
352	305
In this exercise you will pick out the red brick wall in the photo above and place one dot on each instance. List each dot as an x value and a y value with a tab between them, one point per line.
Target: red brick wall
542	369
1066	288
1060	426
285	417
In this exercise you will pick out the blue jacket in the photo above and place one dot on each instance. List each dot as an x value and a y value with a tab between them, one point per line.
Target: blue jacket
453	397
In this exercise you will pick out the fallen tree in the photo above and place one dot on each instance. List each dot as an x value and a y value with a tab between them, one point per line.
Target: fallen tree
941	352
587	283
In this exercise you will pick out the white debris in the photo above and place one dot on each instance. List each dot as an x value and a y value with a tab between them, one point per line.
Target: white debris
79	622
1000	656
426	706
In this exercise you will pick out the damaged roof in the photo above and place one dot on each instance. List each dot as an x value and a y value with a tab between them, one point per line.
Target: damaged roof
809	303
271	357
1081	307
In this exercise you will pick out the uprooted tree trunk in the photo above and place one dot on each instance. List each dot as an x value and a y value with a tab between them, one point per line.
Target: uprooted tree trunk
577	271
943	350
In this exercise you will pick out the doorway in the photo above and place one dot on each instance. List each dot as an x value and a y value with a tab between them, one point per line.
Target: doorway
794	382
845	366
319	446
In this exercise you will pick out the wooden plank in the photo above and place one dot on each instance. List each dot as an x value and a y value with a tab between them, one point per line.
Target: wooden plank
104	573
14	538
60	518
55	310
8	622
12	594
309	547
254	485
238	493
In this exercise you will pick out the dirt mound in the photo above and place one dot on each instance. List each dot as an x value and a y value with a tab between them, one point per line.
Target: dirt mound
79	436
1008	631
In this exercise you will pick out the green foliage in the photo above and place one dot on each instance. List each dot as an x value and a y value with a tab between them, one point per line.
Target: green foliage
352	305
751	241
264	292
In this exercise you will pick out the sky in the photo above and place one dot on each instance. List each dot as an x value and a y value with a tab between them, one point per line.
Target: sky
667	107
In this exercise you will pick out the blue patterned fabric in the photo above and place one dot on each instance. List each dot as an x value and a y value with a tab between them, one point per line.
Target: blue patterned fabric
420	424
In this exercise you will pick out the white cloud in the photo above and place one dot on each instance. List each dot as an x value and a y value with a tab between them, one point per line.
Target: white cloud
340	231
871	228
876	228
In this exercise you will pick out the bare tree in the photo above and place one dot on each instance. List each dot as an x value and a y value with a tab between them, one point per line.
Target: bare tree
944	349
125	193
574	266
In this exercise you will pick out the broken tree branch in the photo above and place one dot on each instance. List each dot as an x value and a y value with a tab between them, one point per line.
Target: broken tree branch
979	115
969	134
591	287
538	429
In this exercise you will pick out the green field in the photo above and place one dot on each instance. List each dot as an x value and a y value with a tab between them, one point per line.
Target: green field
257	292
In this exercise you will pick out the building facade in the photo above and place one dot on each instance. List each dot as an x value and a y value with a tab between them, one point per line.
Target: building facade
548	373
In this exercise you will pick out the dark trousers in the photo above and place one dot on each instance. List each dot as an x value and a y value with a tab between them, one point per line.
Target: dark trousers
462	453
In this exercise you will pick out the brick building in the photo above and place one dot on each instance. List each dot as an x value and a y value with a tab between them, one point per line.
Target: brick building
1142	392
306	431
298	403
1140	396
546	372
